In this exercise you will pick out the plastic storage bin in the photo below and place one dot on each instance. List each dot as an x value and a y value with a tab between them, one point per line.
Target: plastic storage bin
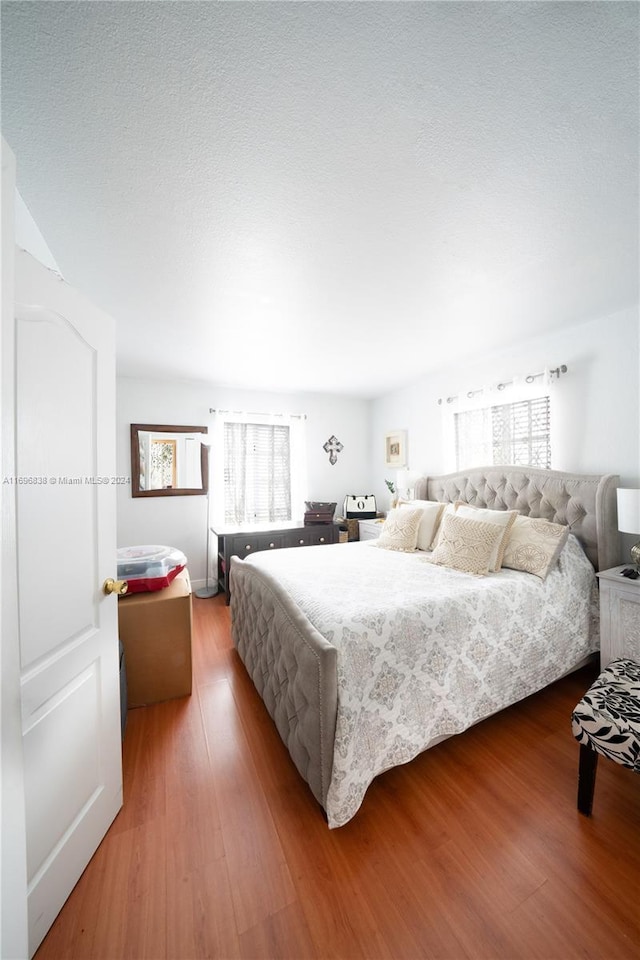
150	567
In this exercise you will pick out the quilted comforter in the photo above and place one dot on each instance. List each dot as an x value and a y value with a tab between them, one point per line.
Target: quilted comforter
424	652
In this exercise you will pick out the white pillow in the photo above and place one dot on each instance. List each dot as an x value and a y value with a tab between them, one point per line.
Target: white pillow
400	530
534	545
465	544
431	510
501	518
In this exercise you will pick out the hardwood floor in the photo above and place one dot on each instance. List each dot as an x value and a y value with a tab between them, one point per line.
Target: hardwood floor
473	850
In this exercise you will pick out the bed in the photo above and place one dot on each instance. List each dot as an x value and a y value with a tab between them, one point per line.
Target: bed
365	657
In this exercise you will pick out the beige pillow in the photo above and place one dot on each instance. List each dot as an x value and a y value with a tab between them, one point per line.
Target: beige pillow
449	508
400	530
502	518
534	545
465	544
431	510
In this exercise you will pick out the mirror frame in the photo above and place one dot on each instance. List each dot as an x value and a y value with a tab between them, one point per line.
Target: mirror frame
173	491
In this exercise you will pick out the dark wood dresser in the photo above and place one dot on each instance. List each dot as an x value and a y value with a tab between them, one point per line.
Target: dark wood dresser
241	541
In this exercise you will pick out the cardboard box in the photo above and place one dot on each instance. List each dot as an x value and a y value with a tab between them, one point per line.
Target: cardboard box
155	629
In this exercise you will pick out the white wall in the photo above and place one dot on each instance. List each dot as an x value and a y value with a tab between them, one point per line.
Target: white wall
595	411
181	521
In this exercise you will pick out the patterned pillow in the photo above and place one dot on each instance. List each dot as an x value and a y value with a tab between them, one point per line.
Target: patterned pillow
449	508
431	510
466	545
534	545
400	530
502	518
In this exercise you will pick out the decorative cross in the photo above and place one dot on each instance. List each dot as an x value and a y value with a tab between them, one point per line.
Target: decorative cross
333	448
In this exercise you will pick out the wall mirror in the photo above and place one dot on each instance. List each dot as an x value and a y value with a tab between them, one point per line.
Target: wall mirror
168	461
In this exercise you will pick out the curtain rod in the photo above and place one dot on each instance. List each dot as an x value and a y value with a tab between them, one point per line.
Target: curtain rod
530	378
255	413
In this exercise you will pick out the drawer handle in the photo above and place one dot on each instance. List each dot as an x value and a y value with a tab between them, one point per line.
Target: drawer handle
321	539
301	542
248	546
272	544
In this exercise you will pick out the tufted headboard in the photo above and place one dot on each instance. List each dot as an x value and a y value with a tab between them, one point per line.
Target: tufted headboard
587	504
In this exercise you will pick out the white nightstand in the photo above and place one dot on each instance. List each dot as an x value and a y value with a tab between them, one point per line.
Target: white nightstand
619	615
370	529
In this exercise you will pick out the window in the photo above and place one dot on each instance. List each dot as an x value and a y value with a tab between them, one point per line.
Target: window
163	464
261	470
257	473
516	433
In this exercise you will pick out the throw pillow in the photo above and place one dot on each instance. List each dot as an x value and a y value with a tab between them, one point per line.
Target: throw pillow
534	545
466	545
431	510
502	518
449	508
400	530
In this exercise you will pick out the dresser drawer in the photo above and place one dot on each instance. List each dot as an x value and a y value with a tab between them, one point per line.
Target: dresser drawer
298	538
271	541
242	546
312	535
321	534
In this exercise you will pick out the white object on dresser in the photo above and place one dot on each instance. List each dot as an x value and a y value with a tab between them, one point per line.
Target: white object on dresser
370	529
619	616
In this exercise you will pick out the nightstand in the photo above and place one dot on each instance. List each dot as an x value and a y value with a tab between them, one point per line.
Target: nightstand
619	616
370	529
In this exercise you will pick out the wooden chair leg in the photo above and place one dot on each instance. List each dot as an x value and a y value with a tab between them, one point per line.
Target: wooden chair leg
586	778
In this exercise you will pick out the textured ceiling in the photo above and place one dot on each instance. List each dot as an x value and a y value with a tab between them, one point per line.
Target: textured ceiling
272	195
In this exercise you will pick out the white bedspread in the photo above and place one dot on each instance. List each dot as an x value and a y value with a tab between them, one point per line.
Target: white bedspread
424	651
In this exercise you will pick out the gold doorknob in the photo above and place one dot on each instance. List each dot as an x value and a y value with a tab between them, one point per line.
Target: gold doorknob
115	586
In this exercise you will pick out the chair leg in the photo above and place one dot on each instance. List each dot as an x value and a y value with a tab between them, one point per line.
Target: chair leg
586	778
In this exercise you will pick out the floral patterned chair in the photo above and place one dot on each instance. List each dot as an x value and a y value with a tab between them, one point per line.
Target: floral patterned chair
607	722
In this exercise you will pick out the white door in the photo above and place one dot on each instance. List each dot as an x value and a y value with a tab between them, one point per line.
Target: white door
66	537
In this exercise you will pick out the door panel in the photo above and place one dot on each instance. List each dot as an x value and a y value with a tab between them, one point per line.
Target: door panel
59	784
70	689
56	464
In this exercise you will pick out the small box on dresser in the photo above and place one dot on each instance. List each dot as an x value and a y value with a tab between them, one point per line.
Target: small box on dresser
619	616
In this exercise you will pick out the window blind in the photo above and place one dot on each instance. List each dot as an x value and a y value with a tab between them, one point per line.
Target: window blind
257	472
510	433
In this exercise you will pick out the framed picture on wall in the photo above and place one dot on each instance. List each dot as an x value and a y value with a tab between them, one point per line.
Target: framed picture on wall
395	448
